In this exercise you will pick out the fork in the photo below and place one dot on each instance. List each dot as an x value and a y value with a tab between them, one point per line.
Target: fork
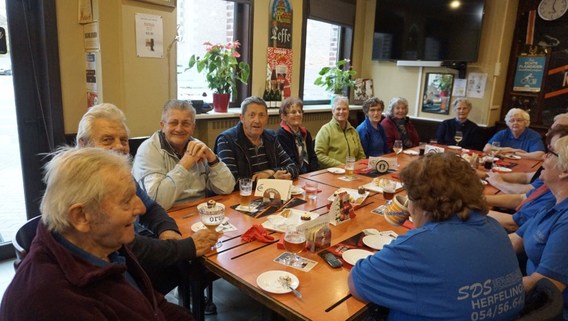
286	283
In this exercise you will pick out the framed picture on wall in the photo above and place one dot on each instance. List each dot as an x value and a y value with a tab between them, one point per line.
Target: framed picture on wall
437	93
166	3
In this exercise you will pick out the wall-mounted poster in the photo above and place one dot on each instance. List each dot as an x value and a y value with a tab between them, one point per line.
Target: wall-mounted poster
437	93
280	60
149	35
529	73
280	34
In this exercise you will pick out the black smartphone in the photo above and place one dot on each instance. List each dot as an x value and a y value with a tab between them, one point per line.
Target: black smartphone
333	261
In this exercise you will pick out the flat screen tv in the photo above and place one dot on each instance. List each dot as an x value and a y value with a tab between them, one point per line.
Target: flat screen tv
428	30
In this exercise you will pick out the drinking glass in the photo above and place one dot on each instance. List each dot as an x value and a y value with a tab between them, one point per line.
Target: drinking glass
458	137
212	217
397	148
294	242
311	189
349	166
245	188
495	146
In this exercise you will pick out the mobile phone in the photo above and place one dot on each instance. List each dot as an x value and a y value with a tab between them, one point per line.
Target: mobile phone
333	261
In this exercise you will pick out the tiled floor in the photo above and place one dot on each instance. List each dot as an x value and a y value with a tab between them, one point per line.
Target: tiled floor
232	304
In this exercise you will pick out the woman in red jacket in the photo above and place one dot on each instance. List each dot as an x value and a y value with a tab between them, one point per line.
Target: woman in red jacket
398	126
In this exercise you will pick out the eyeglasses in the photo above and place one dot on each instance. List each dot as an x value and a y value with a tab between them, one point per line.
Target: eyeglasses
551	153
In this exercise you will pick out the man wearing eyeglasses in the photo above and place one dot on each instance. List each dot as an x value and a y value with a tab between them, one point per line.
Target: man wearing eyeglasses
174	167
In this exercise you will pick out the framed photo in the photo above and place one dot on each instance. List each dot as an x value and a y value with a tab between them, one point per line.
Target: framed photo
165	3
437	93
363	90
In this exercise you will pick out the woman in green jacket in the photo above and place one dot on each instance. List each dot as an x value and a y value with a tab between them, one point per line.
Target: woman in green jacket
338	139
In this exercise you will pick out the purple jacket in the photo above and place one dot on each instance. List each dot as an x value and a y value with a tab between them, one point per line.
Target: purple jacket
51	283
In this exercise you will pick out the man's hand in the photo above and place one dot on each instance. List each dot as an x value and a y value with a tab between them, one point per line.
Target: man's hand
196	151
169	235
282	174
204	239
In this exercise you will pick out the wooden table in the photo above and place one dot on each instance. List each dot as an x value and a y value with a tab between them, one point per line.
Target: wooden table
325	291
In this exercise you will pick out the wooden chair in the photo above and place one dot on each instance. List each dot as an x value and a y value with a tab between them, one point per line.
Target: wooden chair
543	302
23	239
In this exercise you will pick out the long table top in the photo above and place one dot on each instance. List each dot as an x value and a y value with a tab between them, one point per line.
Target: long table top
324	289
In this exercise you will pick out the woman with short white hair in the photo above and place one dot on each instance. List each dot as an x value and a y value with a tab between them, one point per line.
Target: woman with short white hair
518	139
398	126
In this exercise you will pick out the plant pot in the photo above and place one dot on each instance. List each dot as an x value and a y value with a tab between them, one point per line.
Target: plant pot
221	102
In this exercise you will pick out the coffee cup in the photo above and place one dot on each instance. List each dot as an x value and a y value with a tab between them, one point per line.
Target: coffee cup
397	212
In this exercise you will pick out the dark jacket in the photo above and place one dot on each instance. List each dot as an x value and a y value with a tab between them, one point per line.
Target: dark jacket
472	136
288	141
235	153
53	284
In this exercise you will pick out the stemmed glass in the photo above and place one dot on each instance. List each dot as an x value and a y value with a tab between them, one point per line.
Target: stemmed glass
389	189
212	216
495	146
294	242
397	148
458	137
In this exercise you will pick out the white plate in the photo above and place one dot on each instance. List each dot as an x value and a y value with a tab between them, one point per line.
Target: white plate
279	223
354	255
336	170
297	190
501	169
410	152
269	281
199	226
512	156
454	147
353	195
377	241
376	188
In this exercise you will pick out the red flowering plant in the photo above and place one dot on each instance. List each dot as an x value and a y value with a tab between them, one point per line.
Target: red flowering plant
221	66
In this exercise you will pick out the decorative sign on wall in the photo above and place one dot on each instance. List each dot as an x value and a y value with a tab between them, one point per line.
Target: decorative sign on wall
279	51
280	35
437	93
529	73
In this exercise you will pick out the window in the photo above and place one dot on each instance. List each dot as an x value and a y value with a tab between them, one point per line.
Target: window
328	38
214	21
322	49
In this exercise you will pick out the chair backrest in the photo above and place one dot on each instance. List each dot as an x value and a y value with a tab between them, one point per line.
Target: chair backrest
543	302
23	239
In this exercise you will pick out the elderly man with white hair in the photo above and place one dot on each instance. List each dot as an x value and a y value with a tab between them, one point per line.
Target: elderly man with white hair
518	139
78	266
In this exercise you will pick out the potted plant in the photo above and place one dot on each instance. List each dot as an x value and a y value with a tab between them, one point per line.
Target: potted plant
222	71
337	79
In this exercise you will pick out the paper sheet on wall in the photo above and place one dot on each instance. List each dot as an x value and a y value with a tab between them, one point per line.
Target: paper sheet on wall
149	36
459	88
476	85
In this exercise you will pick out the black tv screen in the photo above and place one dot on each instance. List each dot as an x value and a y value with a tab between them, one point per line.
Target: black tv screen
428	30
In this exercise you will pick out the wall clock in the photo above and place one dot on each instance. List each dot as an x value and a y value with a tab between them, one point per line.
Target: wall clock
552	9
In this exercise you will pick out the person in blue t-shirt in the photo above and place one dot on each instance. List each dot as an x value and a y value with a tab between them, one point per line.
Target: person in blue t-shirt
441	270
472	138
370	131
544	237
518	139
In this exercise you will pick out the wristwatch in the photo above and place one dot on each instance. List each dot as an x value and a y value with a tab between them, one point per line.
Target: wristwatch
217	160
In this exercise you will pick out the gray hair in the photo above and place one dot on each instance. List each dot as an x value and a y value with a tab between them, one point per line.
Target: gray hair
178	105
561	148
77	176
252	100
339	100
517	111
393	103
462	100
372	102
101	111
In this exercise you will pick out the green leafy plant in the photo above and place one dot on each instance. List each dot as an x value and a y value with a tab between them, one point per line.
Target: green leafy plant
335	79
221	67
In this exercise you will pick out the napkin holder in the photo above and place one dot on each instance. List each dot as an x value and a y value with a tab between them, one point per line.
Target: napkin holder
433	149
282	186
318	234
341	209
380	164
